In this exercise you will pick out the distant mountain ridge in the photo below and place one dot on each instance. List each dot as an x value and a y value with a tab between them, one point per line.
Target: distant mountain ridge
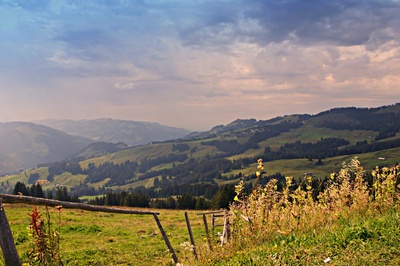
114	130
24	145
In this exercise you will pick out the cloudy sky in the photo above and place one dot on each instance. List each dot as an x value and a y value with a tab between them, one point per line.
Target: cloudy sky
195	64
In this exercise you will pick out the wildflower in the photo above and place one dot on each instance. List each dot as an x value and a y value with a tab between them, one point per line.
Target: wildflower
260	165
332	176
327	260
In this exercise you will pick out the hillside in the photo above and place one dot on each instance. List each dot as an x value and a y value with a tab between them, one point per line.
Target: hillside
24	145
203	162
97	149
113	130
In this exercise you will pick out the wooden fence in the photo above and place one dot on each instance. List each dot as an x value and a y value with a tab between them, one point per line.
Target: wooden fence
6	239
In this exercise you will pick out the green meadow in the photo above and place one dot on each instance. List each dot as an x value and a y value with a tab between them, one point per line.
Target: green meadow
98	238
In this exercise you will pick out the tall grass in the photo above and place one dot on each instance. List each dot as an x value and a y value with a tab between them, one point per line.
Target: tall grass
267	215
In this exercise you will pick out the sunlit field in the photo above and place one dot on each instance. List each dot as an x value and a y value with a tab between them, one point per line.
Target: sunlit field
351	222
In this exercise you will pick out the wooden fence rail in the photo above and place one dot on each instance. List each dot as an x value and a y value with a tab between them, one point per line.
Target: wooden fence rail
6	238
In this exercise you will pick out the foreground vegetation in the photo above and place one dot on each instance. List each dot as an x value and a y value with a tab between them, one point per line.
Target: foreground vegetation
96	238
351	222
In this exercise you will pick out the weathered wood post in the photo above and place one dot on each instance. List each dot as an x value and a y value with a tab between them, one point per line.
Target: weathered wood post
207	233
191	235
171	249
7	241
225	231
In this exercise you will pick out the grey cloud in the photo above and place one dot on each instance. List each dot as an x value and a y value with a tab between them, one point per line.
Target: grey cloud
213	24
340	22
377	39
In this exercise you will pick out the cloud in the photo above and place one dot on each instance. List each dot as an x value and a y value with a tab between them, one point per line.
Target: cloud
196	63
124	86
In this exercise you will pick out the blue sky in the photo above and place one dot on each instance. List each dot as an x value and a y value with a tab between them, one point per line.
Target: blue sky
195	64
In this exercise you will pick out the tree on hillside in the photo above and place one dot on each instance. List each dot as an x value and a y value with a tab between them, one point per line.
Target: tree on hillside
223	197
185	201
36	191
20	188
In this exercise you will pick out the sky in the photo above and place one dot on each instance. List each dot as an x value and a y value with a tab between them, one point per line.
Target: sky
195	64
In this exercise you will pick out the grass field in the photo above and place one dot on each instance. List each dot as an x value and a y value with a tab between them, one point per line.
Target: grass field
350	224
97	238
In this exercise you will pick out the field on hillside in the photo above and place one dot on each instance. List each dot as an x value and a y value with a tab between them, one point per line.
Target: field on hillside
297	167
287	167
349	223
97	238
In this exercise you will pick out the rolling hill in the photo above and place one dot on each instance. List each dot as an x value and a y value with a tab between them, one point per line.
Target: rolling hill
201	163
113	130
24	145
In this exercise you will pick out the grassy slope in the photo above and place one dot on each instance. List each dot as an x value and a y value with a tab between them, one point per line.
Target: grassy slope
95	238
368	241
296	168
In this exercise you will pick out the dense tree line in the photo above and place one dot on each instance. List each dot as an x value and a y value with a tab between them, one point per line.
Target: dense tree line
327	147
386	123
118	174
221	199
61	167
166	189
35	190
122	199
180	147
60	193
363	147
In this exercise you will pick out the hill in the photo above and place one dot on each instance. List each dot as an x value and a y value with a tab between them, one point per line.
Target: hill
24	145
113	130
97	149
202	163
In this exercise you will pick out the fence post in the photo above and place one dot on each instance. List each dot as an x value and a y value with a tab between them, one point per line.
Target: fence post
7	241
225	232
171	249
191	235
207	233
